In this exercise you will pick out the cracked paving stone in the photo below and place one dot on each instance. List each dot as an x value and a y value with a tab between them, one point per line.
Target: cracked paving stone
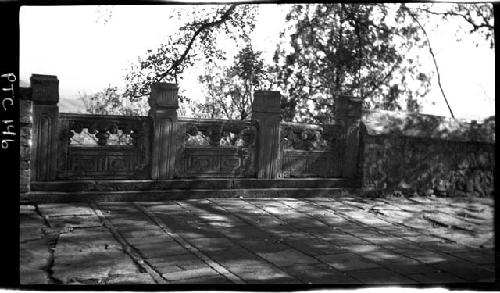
384	255
34	254
267	275
93	265
347	261
33	276
316	247
363	248
161	249
263	247
140	278
319	274
425	256
212	244
436	278
30	233
466	271
86	241
153	241
205	280
477	257
380	276
287	258
190	274
143	234
240	262
183	261
165	268
26	208
87	221
62	209
412	268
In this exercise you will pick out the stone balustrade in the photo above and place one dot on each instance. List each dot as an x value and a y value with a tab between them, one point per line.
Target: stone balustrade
379	150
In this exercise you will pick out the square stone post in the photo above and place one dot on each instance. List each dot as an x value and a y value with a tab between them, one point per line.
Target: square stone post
25	141
45	96
348	111
164	104
266	111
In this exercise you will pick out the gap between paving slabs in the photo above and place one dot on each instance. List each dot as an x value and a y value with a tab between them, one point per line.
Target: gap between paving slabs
187	275
388	266
220	269
128	248
287	263
261	264
356	261
423	245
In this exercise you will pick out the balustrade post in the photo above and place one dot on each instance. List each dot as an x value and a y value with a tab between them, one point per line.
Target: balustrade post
348	111
266	111
45	97
164	104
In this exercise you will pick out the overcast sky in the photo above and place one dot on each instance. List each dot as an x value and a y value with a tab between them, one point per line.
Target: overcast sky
88	55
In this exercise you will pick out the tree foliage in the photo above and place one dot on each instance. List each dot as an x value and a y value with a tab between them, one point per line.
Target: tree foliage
370	51
109	101
348	49
230	90
195	39
478	17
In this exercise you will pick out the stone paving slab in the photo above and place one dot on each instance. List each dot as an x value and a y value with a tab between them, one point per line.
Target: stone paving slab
270	241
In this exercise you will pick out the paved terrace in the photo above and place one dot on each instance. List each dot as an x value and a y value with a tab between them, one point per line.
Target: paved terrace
224	241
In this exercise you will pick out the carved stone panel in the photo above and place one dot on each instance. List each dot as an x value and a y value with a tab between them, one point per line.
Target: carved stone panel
103	162
311	164
217	162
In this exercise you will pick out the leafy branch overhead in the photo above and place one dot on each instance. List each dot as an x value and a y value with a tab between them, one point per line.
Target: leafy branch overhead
181	50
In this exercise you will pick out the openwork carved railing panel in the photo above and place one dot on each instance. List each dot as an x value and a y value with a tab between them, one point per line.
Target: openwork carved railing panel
300	136
103	137
98	146
217	148
310	150
219	133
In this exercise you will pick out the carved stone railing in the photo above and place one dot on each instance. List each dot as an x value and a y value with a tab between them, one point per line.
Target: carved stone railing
97	146
309	150
163	147
216	148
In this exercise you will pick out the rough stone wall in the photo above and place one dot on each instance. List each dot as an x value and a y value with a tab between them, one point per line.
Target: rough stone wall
25	121
427	154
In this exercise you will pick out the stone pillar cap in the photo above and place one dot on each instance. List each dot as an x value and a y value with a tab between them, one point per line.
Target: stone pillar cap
163	95
38	76
266	102
164	85
45	89
350	98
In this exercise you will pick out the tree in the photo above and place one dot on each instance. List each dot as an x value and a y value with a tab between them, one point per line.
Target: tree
348	49
198	37
230	90
352	49
110	102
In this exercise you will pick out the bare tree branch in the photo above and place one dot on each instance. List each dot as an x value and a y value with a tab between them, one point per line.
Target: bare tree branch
414	17
198	31
467	17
